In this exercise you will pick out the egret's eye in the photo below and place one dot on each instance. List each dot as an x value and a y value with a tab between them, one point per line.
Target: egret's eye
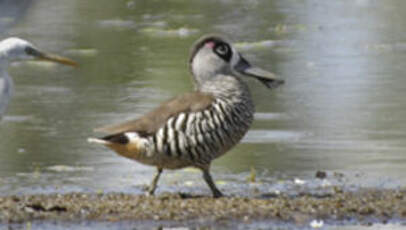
31	51
222	49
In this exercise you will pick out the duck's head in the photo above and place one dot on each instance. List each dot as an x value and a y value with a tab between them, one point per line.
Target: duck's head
213	56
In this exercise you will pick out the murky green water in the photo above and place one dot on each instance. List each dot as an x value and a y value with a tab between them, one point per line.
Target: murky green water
342	108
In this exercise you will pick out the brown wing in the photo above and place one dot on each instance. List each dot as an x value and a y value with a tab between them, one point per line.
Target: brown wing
152	121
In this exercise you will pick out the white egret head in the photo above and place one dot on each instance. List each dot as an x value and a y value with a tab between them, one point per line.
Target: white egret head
16	49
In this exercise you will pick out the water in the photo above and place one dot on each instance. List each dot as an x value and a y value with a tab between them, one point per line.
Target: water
342	108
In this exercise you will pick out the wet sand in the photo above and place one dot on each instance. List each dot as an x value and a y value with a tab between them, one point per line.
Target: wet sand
364	206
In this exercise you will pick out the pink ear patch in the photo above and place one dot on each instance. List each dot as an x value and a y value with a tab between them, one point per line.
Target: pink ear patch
210	44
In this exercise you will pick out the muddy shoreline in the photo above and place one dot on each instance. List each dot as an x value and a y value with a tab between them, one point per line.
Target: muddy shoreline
363	206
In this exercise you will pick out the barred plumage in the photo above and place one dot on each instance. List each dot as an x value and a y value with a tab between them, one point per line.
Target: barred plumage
209	133
196	128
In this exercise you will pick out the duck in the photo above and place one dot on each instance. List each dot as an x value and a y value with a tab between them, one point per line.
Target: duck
193	129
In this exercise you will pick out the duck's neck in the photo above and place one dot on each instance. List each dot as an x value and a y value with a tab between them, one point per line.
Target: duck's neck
225	86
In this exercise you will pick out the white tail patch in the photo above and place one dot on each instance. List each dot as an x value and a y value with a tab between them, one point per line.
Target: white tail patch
134	140
97	141
132	136
128	144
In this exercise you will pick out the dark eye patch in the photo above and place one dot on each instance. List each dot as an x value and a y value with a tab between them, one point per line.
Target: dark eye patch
203	41
31	51
223	50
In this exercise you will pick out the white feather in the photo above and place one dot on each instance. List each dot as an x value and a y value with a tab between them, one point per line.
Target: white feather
97	141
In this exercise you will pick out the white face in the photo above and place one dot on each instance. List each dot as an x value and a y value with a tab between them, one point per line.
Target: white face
13	49
207	61
213	57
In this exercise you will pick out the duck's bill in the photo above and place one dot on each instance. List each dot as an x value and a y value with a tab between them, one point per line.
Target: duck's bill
57	59
267	78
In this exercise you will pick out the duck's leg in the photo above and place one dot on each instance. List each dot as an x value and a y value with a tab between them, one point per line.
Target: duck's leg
154	182
207	177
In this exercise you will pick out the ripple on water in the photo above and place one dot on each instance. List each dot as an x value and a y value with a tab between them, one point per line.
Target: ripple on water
349	145
271	136
67	168
255	45
158	32
17	118
89	52
117	23
270	116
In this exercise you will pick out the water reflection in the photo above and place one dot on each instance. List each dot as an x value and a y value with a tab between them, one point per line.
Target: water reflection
11	12
342	107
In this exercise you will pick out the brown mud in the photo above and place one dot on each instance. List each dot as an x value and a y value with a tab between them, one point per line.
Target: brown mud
380	205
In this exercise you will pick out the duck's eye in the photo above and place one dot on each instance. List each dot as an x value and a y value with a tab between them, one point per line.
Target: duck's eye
222	49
